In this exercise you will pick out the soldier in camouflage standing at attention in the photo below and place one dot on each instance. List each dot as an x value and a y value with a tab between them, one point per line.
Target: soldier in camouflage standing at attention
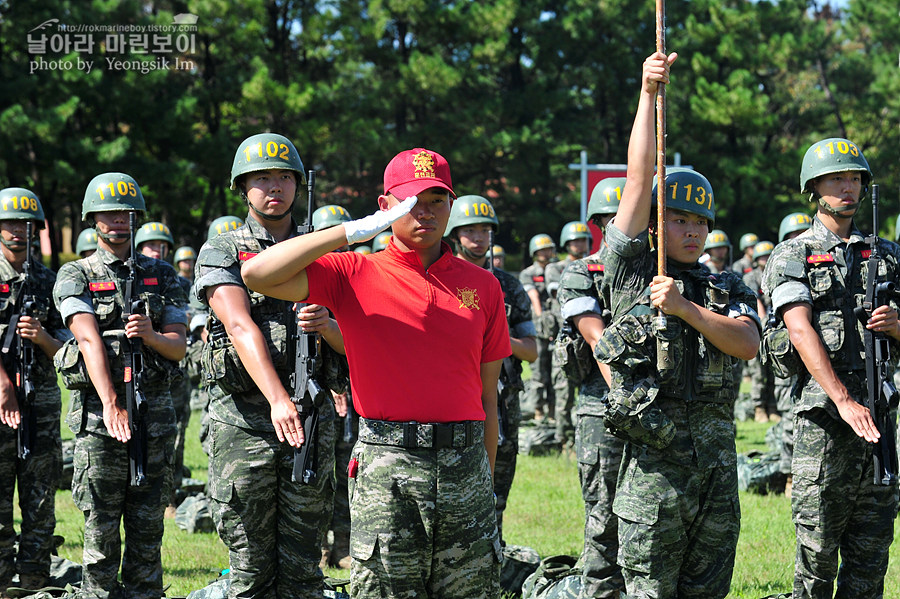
89	294
154	239
185	258
272	526
762	379
718	246
421	496
575	239
673	397
816	281
471	227
744	264
539	399
37	473
586	312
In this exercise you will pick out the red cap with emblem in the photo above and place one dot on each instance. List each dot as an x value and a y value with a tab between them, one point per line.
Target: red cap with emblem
413	171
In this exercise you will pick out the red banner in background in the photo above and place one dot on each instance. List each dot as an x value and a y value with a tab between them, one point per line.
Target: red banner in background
595	177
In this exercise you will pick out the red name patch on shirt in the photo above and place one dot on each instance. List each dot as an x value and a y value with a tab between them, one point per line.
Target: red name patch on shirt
817	258
103	286
866	253
152	281
244	256
4	288
595	267
538	279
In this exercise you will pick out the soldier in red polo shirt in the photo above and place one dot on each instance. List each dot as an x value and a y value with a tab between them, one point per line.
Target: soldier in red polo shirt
421	497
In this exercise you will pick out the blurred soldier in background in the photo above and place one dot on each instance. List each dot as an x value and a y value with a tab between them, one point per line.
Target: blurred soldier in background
539	399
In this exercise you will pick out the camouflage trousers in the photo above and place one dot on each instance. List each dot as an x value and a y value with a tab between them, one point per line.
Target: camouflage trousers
599	457
838	509
37	477
762	380
423	523
340	518
539	393
507	453
101	490
273	527
564	397
181	401
785	407
678	527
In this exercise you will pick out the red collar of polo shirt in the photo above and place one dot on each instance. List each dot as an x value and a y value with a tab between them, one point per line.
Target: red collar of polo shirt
411	258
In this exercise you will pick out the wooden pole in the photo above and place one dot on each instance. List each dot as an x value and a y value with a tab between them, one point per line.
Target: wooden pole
661	146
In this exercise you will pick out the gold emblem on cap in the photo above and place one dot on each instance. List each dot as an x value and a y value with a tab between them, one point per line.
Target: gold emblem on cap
424	163
468	298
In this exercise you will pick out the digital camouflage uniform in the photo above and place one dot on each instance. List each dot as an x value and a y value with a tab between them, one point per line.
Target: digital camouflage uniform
599	453
100	485
347	433
762	379
272	526
742	266
181	401
563	388
539	392
678	510
38	474
837	509
518	317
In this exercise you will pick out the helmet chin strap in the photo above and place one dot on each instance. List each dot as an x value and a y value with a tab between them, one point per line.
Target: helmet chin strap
114	237
842	212
470	254
14	246
270	217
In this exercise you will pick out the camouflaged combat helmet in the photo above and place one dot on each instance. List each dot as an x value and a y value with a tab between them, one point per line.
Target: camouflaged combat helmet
381	241
572	231
266	151
329	216
606	196
185	252
797	221
833	155
471	210
748	240
688	191
154	231
112	192
763	248
223	224
87	241
717	238
539	242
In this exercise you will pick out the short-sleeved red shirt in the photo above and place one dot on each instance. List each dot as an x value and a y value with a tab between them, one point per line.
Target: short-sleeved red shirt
415	339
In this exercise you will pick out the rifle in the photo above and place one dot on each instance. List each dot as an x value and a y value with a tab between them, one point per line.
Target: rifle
882	396
135	400
24	359
307	392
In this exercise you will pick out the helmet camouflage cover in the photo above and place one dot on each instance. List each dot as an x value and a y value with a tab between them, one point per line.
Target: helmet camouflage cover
471	210
266	151
111	192
18	203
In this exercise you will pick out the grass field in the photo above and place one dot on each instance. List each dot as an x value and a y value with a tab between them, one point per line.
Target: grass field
545	512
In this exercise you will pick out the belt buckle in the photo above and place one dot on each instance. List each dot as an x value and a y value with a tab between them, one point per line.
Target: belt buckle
442	436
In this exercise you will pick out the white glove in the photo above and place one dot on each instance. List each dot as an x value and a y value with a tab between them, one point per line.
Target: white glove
367	228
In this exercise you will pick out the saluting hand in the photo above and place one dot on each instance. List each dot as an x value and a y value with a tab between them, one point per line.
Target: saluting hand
366	228
287	423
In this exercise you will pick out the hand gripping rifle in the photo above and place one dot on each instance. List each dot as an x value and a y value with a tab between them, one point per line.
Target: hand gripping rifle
135	400
24	358
882	396
307	392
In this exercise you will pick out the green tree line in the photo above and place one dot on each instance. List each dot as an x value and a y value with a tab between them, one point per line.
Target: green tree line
510	91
